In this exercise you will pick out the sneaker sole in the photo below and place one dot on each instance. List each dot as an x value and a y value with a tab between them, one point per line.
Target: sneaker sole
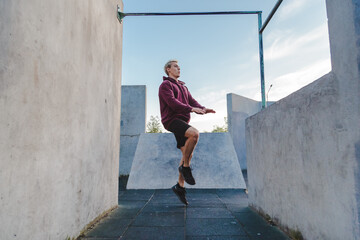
186	203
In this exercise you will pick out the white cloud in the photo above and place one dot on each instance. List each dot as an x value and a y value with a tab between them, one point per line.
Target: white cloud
291	7
285	45
291	82
211	98
216	99
207	122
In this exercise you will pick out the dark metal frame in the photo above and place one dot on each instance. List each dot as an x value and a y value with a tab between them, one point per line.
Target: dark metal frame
121	16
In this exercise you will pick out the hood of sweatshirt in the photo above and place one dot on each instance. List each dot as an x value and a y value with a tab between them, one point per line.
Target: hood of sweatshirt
173	80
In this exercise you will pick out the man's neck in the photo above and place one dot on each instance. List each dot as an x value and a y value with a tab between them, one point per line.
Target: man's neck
173	77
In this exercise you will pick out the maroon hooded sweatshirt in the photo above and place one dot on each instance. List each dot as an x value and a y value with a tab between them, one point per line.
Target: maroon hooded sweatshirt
175	101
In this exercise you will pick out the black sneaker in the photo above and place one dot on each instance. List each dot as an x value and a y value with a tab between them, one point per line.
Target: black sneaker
187	175
180	193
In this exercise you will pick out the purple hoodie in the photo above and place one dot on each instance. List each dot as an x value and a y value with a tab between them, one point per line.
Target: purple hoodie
175	101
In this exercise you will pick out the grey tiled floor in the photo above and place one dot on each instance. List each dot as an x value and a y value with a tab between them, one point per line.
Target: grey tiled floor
212	214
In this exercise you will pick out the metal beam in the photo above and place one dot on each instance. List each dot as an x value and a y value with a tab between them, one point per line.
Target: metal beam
270	16
121	15
192	13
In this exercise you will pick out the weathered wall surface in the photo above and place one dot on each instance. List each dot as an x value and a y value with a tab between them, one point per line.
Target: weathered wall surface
60	69
133	118
303	151
239	108
214	163
344	30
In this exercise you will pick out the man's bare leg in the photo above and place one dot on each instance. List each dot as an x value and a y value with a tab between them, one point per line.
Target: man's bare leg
187	151
193	137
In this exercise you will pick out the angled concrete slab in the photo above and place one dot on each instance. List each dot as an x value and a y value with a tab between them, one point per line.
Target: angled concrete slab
215	164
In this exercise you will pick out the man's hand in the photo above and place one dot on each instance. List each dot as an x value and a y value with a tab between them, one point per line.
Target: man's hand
208	110
198	110
202	111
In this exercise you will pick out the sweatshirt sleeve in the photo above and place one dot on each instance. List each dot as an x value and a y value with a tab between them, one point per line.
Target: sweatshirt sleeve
193	102
166	94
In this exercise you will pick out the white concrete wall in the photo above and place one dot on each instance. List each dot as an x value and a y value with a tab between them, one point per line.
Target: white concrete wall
133	119
303	151
60	69
238	109
344	30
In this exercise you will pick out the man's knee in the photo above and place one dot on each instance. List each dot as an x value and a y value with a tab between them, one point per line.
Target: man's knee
193	134
196	136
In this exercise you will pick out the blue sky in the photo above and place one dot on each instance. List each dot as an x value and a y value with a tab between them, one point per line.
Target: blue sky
220	54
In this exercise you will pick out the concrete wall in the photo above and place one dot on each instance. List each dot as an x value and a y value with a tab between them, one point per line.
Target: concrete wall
303	151
214	163
239	108
133	120
60	69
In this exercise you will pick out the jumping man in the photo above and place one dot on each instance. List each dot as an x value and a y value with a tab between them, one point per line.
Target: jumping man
176	104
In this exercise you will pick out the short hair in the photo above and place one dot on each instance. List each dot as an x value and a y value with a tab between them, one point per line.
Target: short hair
168	65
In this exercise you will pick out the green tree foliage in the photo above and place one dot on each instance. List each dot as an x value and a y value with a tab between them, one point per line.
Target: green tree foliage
223	128
154	125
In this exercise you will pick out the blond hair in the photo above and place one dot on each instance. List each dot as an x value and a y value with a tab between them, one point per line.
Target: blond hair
168	65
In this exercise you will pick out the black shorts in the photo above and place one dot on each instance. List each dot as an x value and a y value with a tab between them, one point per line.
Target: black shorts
179	127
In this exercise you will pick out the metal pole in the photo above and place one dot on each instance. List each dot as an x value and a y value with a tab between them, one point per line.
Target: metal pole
270	15
261	53
192	13
121	15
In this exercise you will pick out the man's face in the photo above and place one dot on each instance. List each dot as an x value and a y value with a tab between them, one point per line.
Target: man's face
174	70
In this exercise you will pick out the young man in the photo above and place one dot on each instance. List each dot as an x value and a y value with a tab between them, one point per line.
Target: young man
176	104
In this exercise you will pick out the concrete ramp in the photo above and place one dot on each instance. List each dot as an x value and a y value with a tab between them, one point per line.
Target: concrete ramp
214	164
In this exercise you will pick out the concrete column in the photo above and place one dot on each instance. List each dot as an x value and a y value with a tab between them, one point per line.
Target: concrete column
60	81
238	109
133	119
344	30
